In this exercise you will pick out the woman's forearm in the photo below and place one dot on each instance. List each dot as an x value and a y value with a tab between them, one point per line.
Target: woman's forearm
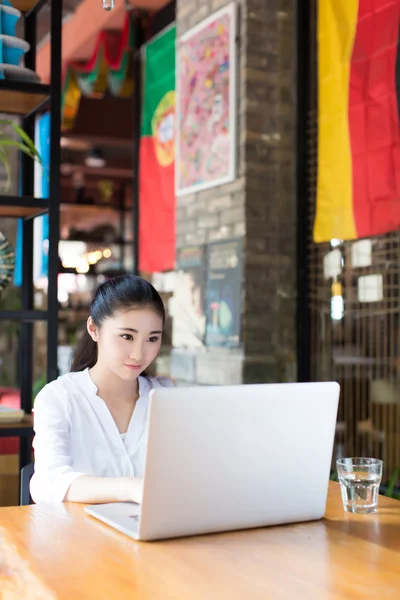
100	490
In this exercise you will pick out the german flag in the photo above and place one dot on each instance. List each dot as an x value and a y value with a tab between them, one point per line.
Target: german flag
358	186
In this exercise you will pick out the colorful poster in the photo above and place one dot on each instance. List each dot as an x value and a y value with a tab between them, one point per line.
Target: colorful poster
206	80
157	156
223	293
358	183
188	301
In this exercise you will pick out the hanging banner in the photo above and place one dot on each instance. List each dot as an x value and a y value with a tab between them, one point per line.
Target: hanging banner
358	184
157	156
109	69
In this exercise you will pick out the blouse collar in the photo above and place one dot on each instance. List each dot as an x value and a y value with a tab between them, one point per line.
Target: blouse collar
94	389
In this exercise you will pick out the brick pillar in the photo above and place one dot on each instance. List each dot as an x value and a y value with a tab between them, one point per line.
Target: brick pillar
260	205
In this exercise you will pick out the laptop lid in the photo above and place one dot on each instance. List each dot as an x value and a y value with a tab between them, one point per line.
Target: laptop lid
225	458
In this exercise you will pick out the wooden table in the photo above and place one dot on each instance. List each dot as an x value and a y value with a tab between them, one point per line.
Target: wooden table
69	555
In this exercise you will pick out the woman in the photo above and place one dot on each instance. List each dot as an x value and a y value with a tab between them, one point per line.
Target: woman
91	425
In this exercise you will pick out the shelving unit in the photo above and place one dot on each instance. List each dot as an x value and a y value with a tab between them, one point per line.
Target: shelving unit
17	429
24	316
22	207
89	208
27	5
22	98
108	211
26	100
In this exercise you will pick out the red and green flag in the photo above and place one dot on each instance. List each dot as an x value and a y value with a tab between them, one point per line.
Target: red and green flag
358	188
157	156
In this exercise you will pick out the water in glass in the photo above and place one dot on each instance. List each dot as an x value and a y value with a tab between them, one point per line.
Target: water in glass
360	491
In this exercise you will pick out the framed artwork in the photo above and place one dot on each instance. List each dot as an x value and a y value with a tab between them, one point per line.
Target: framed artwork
189	321
206	104
223	293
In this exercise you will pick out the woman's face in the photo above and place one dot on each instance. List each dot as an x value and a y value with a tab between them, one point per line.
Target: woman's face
128	342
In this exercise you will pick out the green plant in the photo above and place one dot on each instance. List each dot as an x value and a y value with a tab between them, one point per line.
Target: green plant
37	386
10	300
334	476
391	488
22	143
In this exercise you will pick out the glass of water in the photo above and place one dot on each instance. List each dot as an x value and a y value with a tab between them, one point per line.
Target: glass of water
360	479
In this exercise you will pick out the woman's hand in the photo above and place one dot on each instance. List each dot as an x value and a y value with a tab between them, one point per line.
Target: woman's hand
136	489
102	490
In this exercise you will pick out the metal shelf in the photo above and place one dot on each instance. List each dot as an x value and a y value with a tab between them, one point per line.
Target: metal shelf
25	207
28	5
22	97
25	316
26	99
22	429
101	241
92	208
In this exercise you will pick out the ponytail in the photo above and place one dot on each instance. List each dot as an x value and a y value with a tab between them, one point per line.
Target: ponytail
85	354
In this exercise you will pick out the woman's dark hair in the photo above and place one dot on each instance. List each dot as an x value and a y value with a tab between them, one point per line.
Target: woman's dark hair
126	291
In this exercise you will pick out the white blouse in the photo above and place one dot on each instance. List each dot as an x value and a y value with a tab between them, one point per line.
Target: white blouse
75	434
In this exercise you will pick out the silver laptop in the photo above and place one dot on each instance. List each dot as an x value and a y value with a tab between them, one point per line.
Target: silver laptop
228	458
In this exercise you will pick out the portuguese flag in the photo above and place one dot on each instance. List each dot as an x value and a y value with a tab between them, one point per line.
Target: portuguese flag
157	156
358	184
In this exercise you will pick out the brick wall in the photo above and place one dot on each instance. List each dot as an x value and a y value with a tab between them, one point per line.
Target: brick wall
260	205
269	106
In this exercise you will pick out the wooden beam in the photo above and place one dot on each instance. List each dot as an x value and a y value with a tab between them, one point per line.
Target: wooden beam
107	172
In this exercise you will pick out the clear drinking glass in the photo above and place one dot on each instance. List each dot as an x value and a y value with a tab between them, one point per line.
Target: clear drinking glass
360	479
